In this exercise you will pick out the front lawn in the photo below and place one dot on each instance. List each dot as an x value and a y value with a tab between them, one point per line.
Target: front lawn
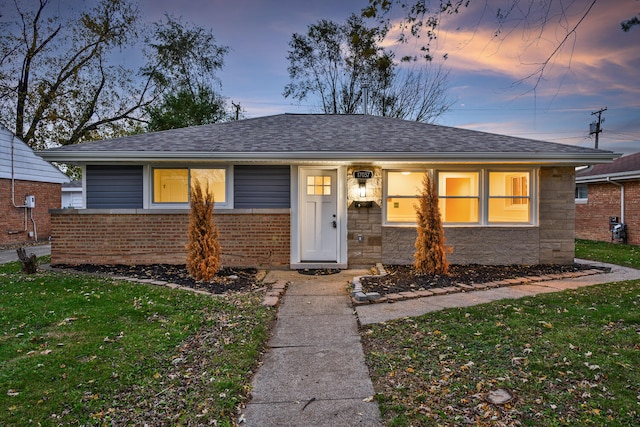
570	358
612	253
78	350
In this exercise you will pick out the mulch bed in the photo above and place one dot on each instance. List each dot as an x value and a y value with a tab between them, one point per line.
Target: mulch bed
402	278
225	280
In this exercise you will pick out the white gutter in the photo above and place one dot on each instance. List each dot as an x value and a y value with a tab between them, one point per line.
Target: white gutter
432	157
621	197
627	175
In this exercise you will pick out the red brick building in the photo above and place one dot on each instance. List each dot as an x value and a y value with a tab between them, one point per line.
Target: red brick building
29	188
609	194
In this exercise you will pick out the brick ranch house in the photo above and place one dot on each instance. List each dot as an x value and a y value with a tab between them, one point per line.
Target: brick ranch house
608	194
26	219
320	191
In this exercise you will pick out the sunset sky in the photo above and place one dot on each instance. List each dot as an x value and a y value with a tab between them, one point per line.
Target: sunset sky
598	67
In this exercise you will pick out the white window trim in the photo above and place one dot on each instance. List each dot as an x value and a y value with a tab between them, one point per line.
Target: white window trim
582	200
483	196
148	186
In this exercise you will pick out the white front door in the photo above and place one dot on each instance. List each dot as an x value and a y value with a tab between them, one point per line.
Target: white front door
318	215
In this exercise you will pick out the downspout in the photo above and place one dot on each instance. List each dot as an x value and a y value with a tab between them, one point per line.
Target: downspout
621	197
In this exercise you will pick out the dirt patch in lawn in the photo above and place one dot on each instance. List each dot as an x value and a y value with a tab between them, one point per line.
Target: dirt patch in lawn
402	278
226	279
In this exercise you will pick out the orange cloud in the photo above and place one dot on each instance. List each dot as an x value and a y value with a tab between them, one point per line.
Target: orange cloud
597	57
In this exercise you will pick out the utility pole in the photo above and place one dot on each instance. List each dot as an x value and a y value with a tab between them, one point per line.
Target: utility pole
596	127
236	107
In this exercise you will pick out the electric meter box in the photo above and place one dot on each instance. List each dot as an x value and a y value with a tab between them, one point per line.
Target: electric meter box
30	201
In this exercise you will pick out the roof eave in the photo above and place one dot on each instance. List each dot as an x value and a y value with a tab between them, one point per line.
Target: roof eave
399	157
618	176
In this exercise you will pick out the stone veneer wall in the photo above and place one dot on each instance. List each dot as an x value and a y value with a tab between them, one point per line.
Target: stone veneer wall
557	215
248	237
552	242
364	222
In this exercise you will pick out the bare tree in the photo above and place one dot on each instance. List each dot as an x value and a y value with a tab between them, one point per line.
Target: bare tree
60	82
335	62
416	93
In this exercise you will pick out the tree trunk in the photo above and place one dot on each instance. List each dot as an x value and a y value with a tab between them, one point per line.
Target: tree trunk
29	263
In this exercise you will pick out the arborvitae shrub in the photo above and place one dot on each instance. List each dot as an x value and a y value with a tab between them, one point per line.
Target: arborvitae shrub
431	253
203	248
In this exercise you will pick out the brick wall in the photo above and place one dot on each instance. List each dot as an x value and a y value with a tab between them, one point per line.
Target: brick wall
603	201
249	238
12	219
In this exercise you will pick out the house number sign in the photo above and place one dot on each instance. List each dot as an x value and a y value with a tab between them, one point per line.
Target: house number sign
363	174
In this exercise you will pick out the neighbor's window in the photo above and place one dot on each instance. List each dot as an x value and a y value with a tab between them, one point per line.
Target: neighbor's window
509	197
581	193
458	195
402	195
172	185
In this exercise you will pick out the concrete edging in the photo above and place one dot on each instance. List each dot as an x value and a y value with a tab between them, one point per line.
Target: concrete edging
358	297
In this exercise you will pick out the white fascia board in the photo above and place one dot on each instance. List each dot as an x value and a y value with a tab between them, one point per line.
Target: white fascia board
297	156
619	176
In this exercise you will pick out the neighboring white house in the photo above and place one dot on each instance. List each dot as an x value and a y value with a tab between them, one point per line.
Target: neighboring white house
29	188
72	195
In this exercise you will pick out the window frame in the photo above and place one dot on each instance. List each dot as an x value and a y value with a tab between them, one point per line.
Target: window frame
478	197
483	195
582	200
228	186
386	195
510	201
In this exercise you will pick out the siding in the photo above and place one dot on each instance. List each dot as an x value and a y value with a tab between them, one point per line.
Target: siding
26	165
262	187
114	187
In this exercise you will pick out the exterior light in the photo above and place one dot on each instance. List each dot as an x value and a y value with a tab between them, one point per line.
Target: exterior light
363	188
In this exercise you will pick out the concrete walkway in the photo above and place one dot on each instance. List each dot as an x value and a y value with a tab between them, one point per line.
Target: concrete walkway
10	255
377	313
314	372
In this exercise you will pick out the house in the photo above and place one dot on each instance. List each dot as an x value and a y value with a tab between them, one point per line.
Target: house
319	191
72	195
29	188
607	195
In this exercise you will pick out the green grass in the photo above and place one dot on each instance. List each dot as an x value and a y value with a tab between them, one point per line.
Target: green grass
613	253
569	358
78	350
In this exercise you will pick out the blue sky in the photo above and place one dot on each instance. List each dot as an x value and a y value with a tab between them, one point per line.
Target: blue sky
598	67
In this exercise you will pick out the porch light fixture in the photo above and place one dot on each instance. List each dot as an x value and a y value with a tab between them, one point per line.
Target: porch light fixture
363	187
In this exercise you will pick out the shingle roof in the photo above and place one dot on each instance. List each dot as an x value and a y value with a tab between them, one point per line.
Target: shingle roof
305	136
630	163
